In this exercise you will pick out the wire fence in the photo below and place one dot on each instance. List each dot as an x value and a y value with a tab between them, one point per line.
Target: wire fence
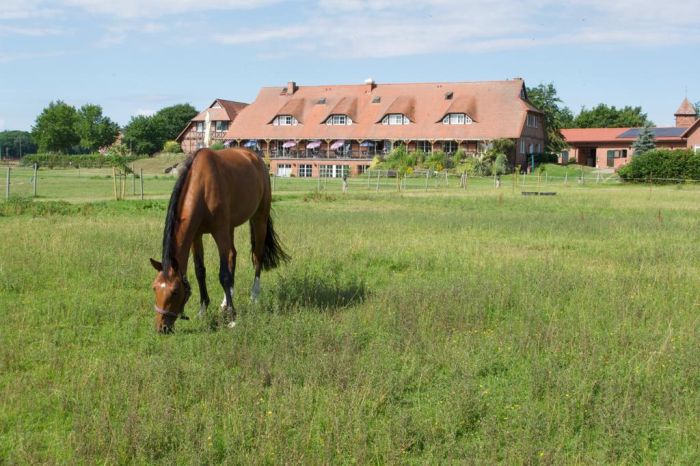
77	185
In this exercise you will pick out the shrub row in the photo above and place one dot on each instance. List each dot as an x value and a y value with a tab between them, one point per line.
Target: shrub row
662	166
52	160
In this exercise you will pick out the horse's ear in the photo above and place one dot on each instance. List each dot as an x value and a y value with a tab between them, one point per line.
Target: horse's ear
156	265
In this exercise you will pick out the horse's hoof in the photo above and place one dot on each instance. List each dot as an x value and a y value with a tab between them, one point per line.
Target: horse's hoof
231	324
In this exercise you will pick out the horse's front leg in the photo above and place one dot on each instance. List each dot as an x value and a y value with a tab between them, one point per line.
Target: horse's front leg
201	274
227	271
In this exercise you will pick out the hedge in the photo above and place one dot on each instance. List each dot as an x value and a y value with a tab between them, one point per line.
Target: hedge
84	161
662	166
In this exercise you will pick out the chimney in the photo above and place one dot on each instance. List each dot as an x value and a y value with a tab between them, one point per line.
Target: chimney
291	87
369	85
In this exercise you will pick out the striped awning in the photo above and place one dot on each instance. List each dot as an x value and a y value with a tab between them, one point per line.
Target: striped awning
337	144
313	145
289	144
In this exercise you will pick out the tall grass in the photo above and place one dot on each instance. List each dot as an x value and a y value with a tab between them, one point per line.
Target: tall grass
477	326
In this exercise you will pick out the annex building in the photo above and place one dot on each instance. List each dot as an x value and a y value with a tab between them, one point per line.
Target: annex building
612	147
332	130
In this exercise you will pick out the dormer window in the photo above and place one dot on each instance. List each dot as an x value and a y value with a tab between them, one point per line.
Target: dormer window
339	120
456	119
284	120
395	119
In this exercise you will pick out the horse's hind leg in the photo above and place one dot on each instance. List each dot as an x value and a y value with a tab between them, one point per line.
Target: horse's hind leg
201	273
258	232
227	270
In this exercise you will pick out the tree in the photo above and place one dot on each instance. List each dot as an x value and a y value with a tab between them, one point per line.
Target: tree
545	98
16	143
645	142
94	129
170	121
54	129
697	108
140	135
603	116
147	135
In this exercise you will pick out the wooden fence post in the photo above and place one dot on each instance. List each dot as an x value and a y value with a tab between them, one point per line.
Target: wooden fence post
7	185
141	175
35	178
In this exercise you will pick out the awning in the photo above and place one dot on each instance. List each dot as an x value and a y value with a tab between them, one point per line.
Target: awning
251	143
368	144
337	144
313	145
289	144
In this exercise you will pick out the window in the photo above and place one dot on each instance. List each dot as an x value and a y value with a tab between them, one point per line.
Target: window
221	126
565	156
285	120
321	101
448	95
532	120
362	169
424	146
449	147
284	169
522	146
305	171
334	171
456	119
326	171
617	154
339	120
395	119
199	127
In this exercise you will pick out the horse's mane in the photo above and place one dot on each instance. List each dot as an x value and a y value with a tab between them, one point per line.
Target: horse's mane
171	217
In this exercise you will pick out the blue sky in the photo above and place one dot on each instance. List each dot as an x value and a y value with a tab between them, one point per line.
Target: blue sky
137	56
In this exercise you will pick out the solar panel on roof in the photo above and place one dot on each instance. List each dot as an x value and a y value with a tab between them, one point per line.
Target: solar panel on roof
658	133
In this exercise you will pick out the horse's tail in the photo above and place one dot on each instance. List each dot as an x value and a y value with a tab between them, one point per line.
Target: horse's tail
273	254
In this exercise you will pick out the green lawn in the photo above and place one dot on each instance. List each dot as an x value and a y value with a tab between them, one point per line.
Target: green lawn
436	325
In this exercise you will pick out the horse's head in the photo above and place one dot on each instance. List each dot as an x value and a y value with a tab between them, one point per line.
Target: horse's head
172	293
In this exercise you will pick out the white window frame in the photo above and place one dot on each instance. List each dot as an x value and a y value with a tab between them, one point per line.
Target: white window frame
285	120
339	120
284	169
522	146
532	120
199	127
395	119
457	119
305	170
221	126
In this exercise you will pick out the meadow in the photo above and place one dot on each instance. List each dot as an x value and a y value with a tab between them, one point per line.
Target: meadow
433	325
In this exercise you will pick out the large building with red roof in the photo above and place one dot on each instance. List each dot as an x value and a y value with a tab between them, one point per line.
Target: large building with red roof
612	147
333	130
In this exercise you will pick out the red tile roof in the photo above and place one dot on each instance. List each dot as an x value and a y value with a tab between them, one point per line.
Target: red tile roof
227	112
495	106
592	134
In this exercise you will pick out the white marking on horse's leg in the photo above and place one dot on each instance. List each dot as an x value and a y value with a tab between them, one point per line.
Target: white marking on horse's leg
256	289
202	310
223	301
231	324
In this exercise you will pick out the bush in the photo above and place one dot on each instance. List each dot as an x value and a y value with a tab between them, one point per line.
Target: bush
662	166
172	147
217	146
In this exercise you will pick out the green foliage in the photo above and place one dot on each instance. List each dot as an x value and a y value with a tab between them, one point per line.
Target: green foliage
147	134
545	98
55	128
95	130
218	145
400	159
16	143
604	116
438	161
500	165
170	121
662	166
172	147
118	150
645	142
57	160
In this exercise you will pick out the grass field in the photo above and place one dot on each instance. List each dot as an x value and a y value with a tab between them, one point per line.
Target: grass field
431	326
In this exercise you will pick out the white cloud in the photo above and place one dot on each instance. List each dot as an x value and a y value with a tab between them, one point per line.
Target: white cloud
145	111
156	8
30	31
383	28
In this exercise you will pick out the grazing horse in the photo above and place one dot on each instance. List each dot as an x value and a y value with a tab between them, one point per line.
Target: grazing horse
216	192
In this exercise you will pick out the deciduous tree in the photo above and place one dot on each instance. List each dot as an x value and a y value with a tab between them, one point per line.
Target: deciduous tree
95	130
54	129
556	116
604	116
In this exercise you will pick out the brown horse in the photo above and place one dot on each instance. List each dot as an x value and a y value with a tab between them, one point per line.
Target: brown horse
216	192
